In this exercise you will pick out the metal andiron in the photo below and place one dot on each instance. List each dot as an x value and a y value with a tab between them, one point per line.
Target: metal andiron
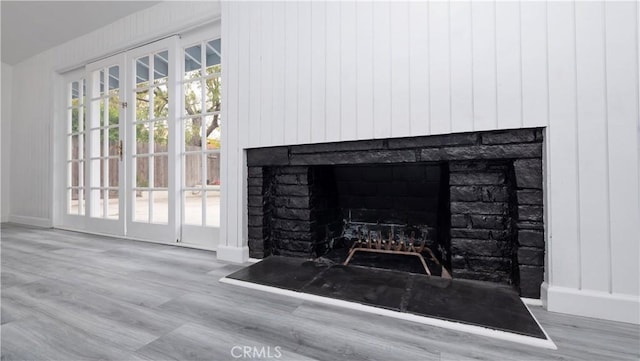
404	246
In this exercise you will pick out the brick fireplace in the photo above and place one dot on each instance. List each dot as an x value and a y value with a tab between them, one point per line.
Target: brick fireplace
475	198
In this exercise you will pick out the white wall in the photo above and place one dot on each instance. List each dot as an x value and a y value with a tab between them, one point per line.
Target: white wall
304	72
6	73
37	91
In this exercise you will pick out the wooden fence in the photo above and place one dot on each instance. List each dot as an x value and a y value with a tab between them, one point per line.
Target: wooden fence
192	163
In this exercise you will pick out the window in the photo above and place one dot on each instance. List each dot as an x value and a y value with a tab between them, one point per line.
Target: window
202	126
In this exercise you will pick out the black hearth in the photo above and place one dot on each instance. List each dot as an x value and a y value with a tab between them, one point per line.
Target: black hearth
474	198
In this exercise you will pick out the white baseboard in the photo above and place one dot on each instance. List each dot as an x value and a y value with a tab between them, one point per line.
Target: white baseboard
233	254
31	221
603	305
462	327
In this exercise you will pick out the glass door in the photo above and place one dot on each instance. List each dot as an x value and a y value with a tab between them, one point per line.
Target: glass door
201	124
149	152
105	163
73	139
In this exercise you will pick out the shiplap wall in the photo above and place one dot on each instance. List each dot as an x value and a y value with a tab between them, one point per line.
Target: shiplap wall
37	98
304	72
6	73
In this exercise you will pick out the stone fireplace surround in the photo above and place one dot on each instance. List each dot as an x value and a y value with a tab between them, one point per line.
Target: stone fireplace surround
491	183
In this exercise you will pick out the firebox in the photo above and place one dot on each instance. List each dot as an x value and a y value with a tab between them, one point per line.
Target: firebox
473	199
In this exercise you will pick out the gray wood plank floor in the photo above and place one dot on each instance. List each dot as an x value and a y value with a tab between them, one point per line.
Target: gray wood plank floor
72	296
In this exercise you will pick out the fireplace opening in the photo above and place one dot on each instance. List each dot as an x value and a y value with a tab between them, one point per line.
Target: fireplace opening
399	205
473	199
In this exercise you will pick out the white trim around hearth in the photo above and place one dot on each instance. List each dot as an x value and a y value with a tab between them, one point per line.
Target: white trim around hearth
456	326
233	254
609	306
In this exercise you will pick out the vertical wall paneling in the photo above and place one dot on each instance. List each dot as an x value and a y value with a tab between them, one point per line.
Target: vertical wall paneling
400	107
381	71
5	132
319	67
333	96
278	72
266	72
304	71
255	77
439	67
592	145
484	65
225	139
563	149
622	117
348	68
291	72
245	123
419	66
232	95
244	127
461	67
508	58
364	69
534	63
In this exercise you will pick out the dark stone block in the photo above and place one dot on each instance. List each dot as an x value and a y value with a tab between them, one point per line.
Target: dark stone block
434	141
292	225
531	277
255	232
528	173
478	208
468	166
505	151
530	256
529	196
359	157
293	202
295	214
530	213
496	277
267	156
256	211
254	172
287	179
530	238
509	136
483	234
255	201
292	170
255	221
478	221
301	236
338	147
255	182
530	225
476	179
254	253
489	264
295	245
479	193
254	191
476	247
292	190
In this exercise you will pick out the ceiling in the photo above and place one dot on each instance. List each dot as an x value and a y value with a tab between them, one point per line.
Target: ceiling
31	27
